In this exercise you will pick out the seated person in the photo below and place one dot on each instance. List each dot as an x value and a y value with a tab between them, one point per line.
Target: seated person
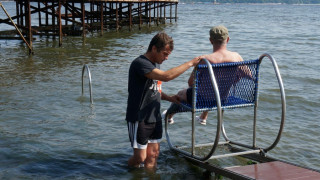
219	38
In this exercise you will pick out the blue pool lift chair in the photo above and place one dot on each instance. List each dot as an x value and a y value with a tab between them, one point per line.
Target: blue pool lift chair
218	87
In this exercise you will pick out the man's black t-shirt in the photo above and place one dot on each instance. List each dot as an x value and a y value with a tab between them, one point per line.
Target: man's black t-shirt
144	95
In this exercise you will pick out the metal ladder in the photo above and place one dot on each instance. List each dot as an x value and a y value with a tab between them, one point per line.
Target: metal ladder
86	67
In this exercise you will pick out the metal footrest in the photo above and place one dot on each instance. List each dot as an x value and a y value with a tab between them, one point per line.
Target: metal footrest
235	154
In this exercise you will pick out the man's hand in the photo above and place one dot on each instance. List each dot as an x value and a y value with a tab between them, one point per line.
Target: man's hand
195	61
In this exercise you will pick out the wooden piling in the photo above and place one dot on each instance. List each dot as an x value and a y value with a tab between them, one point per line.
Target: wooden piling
83	19
60	23
176	12
53	19
170	12
149	14
140	15
101	18
117	17
18	13
29	26
39	15
21	11
156	6
47	14
65	13
130	16
164	14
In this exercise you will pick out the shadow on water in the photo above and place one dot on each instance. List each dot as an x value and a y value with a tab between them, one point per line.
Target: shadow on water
77	164
174	166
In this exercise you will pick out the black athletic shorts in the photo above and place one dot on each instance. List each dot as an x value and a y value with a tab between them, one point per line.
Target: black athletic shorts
141	133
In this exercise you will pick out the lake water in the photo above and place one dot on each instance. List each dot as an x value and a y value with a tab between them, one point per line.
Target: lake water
49	130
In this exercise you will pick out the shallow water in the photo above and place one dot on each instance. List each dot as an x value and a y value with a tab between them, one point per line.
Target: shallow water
49	130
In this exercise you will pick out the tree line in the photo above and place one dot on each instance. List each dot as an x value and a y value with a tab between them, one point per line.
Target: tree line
260	1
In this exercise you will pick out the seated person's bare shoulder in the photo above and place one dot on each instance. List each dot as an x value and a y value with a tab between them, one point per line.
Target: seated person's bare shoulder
235	57
222	57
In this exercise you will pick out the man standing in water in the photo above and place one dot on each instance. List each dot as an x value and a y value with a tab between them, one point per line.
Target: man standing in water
143	110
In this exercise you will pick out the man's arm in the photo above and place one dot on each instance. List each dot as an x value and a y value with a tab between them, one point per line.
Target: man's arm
171	74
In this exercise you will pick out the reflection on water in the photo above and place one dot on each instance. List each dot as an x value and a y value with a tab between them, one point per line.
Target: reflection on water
48	130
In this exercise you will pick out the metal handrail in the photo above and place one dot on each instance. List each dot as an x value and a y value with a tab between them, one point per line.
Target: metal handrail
283	99
219	109
219	120
86	67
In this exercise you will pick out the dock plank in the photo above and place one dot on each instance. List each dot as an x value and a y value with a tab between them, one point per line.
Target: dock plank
276	170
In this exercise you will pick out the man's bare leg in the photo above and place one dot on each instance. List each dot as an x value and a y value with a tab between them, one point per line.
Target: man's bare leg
153	150
139	156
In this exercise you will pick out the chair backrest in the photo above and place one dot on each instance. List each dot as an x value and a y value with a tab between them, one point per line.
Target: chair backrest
237	83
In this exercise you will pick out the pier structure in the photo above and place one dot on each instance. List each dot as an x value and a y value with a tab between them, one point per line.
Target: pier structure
76	17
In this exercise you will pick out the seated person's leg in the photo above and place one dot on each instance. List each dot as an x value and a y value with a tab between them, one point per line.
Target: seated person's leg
202	119
204	115
183	95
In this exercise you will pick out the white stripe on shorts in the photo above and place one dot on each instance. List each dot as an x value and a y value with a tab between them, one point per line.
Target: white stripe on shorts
132	129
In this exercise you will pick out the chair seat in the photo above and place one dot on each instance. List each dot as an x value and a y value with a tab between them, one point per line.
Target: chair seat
230	103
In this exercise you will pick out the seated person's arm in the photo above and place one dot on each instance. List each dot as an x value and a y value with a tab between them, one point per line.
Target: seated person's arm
242	72
174	98
245	72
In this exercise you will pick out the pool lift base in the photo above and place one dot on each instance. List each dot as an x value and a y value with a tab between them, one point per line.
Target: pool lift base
263	167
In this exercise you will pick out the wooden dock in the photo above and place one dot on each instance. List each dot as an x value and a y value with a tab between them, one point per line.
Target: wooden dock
276	170
76	17
265	168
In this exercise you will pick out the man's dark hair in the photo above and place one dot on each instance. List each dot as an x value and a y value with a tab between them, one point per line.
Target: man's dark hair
160	40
